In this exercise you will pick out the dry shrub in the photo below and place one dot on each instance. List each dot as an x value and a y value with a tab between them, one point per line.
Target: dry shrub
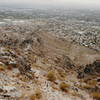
61	75
2	68
36	95
18	75
92	82
24	78
51	76
21	98
87	86
64	86
32	97
96	95
73	93
10	67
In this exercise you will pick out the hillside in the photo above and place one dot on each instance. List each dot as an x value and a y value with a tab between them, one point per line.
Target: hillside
37	65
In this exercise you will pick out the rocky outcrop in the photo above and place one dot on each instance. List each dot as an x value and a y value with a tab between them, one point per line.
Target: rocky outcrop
65	62
89	69
93	68
11	59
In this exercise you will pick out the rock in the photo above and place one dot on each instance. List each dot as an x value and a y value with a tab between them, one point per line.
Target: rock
97	66
1	90
80	75
98	80
67	63
92	68
88	69
12	60
9	88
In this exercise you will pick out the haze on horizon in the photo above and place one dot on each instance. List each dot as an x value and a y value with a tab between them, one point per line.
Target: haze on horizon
63	3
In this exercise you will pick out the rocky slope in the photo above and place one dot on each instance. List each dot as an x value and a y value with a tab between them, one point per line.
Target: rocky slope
35	65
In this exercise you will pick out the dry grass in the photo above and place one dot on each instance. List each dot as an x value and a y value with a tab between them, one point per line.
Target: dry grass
32	97
21	98
37	95
96	95
2	68
10	67
64	86
24	78
87	86
92	82
61	75
51	76
73	93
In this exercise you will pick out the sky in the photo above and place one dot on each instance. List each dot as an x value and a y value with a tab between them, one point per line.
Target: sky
76	3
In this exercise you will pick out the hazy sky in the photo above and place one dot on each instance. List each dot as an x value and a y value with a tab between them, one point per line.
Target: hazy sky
53	1
91	3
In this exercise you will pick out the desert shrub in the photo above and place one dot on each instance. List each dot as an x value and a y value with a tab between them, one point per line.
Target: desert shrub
64	86
92	82
51	76
87	86
36	95
2	68
96	95
10	67
32	97
61	75
61	72
73	93
21	98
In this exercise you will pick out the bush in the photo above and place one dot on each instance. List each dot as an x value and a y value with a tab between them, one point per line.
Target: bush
96	95
21	98
32	97
63	86
61	75
87	86
10	67
2	68
51	76
92	82
36	95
